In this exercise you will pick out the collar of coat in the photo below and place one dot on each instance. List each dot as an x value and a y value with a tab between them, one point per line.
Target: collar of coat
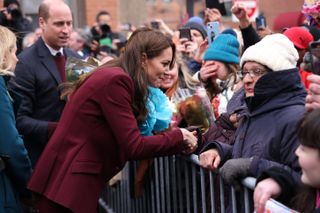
282	88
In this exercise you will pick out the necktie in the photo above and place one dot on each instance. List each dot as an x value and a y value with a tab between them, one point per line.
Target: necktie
61	63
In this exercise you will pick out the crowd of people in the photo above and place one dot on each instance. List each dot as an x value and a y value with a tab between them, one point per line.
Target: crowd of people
62	140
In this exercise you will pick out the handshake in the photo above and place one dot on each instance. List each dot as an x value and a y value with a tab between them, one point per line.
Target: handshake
190	140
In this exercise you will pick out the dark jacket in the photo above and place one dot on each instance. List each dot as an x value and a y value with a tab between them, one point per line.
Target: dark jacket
96	135
14	155
37	80
250	36
20	25
267	131
223	130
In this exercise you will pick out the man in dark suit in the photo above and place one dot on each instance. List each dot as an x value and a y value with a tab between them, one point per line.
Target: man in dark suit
39	72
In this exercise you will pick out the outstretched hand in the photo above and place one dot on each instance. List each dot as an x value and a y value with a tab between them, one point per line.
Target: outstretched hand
265	189
210	159
240	12
190	141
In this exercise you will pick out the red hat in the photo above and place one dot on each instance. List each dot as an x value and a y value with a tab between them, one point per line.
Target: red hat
299	36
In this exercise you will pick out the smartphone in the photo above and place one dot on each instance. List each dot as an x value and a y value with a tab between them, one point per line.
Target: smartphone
218	5
213	30
314	48
261	22
155	25
185	32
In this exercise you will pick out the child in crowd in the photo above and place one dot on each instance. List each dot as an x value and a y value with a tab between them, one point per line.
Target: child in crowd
278	183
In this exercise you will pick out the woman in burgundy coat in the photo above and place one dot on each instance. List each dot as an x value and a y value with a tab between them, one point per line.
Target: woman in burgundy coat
98	131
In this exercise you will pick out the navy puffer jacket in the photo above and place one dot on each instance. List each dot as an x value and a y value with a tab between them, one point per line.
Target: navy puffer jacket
268	129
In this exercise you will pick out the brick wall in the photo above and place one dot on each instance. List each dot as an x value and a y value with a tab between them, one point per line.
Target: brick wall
94	6
172	13
138	11
272	8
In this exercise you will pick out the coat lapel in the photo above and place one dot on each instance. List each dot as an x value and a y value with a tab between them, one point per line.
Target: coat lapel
47	60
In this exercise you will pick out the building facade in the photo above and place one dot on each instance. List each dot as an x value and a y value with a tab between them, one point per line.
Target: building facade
173	12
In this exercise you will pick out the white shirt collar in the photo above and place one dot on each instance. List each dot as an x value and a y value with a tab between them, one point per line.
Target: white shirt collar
53	51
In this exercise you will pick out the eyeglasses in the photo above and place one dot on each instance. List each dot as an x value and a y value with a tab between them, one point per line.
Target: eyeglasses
252	73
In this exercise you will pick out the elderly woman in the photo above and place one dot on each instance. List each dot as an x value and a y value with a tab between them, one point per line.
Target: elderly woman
275	99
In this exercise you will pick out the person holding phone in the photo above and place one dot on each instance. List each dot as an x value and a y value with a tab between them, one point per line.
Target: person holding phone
191	35
159	24
192	44
262	27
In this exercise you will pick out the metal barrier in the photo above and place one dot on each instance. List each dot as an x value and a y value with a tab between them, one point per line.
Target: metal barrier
176	184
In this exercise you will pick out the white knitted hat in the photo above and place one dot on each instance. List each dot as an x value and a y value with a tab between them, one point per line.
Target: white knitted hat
275	51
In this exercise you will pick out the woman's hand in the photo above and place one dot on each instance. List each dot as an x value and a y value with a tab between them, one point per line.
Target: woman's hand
164	26
266	189
187	47
208	70
201	50
212	15
190	141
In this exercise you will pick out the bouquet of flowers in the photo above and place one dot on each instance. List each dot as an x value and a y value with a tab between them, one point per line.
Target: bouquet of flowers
76	67
194	107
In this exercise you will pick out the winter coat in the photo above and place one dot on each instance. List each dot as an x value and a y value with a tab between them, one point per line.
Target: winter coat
37	80
97	134
250	36
12	151
267	131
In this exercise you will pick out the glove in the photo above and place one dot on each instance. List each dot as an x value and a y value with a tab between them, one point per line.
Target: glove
234	170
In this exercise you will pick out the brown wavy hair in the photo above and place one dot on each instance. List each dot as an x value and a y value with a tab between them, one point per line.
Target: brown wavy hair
143	42
308	134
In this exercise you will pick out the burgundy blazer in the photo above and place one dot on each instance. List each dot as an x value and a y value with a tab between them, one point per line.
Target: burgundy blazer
96	135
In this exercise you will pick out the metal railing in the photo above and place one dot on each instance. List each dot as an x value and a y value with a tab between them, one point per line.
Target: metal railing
176	184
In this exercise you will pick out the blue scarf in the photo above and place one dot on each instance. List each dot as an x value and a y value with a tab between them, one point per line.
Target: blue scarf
159	113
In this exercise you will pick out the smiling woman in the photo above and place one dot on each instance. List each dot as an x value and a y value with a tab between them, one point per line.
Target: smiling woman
158	66
279	184
98	131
